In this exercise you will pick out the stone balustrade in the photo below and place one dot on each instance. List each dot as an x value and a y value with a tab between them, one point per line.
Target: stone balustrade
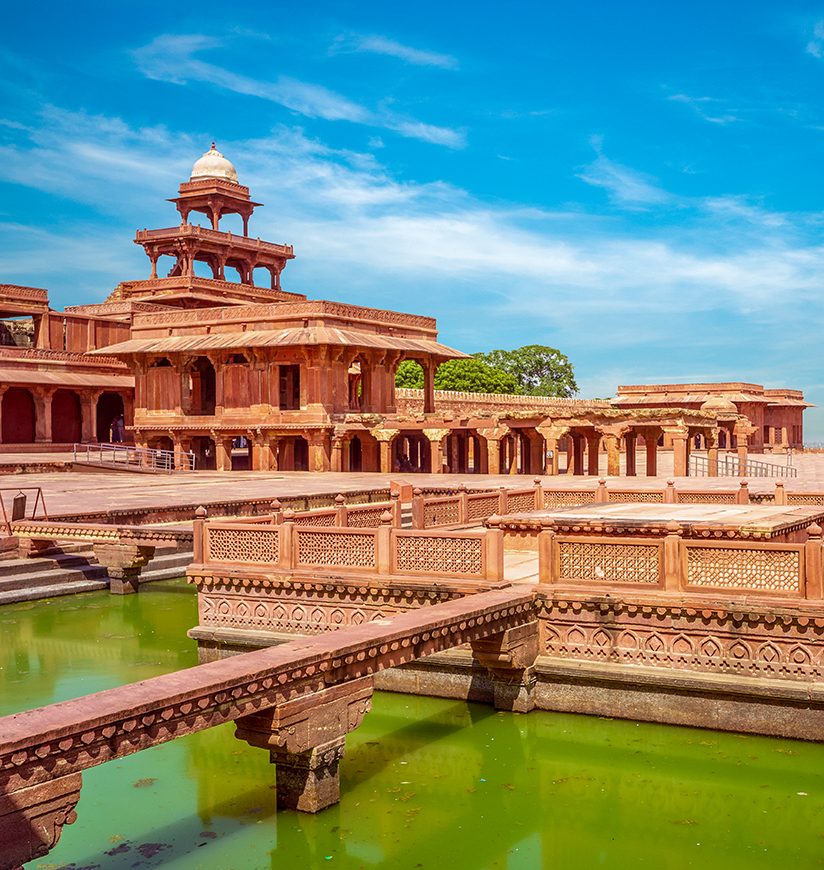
386	551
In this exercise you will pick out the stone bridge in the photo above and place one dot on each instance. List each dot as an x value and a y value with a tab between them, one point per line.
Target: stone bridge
124	550
297	700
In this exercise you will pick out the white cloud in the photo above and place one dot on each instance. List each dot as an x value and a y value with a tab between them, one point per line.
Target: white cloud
625	186
707	108
381	45
729	288
172	58
815	46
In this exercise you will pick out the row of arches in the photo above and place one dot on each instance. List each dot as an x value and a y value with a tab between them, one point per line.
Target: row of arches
22	417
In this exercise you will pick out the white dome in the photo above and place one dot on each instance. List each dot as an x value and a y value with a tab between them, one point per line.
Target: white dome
213	165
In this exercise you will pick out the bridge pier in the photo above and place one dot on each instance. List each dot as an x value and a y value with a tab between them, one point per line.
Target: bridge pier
510	658
123	562
306	740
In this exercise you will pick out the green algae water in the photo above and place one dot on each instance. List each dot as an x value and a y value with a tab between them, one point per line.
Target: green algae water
426	783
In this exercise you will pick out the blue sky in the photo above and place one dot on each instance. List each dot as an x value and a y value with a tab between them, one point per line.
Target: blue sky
638	184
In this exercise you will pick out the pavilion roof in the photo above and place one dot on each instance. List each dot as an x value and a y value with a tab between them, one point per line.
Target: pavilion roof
292	337
62	378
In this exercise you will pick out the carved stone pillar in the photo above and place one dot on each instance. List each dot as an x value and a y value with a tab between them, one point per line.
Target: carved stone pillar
223	454
510	659
651	448
436	438
593	450
712	452
319	451
429	386
629	446
384	438
306	741
613	446
42	416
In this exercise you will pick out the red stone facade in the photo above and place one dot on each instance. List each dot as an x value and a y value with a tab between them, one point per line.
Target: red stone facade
246	376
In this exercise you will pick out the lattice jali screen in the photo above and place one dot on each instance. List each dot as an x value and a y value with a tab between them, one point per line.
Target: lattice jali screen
626	495
424	555
479	507
521	502
335	549
707	497
365	518
316	520
260	545
561	498
805	498
441	513
734	568
608	562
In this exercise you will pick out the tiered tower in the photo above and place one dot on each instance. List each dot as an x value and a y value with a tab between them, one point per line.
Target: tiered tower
213	190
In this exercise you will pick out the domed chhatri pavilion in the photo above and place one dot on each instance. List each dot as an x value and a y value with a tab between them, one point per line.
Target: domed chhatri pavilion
203	364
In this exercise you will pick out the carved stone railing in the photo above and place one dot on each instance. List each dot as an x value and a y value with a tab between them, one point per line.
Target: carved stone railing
43	752
19	293
381	552
665	559
343	515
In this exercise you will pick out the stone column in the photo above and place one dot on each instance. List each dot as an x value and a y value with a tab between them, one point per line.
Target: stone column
436	438
338	444
429	386
319	451
593	450
223	453
712	452
613	454
680	452
651	448
384	438
42	414
630	444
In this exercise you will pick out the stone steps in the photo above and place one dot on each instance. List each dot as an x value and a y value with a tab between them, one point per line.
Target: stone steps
74	572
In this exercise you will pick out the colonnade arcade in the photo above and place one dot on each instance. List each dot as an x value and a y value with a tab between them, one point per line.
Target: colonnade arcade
60	415
496	447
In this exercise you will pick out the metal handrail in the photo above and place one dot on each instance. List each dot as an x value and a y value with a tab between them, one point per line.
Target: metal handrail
729	465
130	455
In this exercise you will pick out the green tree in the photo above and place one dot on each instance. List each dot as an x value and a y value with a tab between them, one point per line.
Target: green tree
539	370
465	375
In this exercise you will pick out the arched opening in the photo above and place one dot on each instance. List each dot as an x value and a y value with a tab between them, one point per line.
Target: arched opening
110	418
231	223
202	387
202	269
261	277
355	454
163	442
198	219
409	375
301	454
66	422
241	454
203	448
412	453
18	416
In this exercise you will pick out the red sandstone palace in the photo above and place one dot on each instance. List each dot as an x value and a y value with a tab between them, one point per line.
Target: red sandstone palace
250	376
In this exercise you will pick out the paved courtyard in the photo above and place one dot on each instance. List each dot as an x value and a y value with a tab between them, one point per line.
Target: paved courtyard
74	492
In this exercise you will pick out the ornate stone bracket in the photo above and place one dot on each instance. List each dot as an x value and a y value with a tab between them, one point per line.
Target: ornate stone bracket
306	741
32	819
510	658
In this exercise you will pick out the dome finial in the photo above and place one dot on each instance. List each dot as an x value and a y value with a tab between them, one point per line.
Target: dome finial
213	145
213	165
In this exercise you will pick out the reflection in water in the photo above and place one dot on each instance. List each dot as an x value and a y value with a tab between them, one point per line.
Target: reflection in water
425	782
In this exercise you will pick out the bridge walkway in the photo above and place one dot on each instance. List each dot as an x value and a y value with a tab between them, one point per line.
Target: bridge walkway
297	700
